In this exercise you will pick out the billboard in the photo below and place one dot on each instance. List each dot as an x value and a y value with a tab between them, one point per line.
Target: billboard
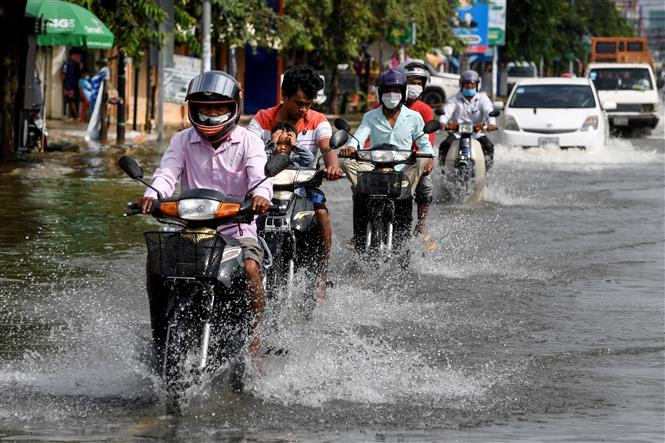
497	23
471	24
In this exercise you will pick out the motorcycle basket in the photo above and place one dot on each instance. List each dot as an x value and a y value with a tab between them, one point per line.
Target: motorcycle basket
384	184
184	254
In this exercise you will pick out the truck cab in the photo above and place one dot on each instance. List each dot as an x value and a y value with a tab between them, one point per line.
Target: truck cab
629	93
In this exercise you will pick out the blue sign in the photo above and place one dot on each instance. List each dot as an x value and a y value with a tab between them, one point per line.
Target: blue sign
471	24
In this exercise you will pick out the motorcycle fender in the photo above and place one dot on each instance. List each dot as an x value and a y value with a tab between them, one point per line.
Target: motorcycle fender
478	162
230	268
303	215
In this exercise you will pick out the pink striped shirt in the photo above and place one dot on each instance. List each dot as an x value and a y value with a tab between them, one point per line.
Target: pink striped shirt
232	169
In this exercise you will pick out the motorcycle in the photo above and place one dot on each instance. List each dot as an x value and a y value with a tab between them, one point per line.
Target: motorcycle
199	306
290	231
387	192
464	166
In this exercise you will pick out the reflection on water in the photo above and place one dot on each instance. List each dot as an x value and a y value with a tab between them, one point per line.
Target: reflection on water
541	310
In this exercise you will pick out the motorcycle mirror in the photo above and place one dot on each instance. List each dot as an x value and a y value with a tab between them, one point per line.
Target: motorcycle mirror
130	167
339	138
277	164
431	126
342	124
438	111
494	113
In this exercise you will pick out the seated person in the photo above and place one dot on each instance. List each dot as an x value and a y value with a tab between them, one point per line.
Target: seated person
283	140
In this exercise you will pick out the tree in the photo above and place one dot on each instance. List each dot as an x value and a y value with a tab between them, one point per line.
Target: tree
134	23
12	54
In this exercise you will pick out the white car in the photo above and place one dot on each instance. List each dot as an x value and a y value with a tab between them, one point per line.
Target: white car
441	86
563	112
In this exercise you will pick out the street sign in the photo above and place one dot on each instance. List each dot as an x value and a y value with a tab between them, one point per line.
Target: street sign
497	23
403	34
470	26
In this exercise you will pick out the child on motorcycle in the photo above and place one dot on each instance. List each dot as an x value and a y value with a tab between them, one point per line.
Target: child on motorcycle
283	140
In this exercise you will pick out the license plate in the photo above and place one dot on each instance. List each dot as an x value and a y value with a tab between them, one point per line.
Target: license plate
620	121
548	141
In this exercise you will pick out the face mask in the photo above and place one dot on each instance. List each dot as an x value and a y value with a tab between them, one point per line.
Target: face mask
468	92
213	121
413	91
391	99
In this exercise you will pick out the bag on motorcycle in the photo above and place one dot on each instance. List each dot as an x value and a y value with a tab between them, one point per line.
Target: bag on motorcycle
392	185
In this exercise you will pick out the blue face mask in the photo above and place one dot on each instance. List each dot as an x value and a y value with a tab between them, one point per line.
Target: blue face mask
468	92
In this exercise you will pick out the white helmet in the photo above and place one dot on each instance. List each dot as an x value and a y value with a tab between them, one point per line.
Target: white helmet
415	68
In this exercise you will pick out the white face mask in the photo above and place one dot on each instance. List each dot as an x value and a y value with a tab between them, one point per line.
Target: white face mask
213	121
391	99
413	91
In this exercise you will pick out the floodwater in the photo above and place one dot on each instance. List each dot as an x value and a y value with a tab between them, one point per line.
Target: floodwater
539	318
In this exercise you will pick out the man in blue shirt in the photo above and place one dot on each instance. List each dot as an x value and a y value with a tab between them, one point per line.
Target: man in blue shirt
391	123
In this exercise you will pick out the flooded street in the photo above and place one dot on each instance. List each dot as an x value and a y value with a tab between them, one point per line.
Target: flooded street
540	317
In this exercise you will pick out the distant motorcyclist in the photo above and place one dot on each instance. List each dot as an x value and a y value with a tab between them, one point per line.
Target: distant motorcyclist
417	78
469	105
392	123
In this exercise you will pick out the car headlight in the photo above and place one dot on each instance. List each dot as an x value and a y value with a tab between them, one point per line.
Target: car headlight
591	122
466	128
649	107
509	123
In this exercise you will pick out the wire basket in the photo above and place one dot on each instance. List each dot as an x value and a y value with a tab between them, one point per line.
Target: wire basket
184	254
381	183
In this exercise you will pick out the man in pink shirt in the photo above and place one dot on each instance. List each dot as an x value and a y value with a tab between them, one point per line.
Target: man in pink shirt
218	154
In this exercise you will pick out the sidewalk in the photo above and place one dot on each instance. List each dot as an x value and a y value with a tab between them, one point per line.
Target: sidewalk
74	131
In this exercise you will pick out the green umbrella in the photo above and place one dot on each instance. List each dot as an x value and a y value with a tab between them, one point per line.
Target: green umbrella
69	25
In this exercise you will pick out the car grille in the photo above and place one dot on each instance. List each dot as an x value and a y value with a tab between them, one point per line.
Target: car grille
549	131
634	107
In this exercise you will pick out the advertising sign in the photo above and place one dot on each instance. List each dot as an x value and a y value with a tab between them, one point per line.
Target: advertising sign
471	24
497	23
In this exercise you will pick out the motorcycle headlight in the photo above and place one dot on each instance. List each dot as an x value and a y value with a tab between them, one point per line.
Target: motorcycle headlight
286	177
389	156
466	128
204	209
591	122
365	155
510	124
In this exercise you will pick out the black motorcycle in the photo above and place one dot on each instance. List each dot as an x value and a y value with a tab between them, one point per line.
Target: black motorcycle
199	306
291	232
386	191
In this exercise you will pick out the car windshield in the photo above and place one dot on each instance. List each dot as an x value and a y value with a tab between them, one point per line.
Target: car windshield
521	71
611	79
553	96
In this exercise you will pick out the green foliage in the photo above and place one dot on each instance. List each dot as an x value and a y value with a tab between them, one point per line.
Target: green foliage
555	28
134	23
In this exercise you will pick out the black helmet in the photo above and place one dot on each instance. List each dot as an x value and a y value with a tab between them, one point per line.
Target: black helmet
415	68
392	77
470	76
214	87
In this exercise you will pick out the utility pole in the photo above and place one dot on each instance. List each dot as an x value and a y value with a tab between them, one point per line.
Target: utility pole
120	127
205	33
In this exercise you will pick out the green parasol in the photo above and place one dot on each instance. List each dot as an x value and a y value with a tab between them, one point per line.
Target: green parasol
69	25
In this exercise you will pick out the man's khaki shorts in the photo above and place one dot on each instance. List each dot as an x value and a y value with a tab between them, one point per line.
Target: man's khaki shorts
252	250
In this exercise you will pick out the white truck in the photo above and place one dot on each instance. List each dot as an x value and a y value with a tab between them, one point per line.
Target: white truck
441	86
634	90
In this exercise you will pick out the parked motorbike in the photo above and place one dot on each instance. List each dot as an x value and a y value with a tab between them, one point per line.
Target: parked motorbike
464	165
387	192
199	306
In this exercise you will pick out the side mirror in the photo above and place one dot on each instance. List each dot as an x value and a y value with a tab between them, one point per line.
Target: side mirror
609	106
339	139
498	105
342	124
277	164
660	83
495	113
130	167
438	111
431	126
